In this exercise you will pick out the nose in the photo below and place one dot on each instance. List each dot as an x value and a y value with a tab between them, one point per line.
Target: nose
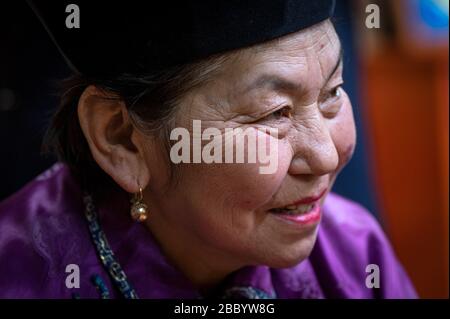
314	150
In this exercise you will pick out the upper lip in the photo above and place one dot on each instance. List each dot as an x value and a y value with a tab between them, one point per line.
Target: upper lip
307	200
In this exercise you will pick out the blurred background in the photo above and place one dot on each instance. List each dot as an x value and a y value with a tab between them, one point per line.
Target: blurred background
396	76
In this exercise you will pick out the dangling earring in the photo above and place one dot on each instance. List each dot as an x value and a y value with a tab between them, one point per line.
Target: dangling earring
138	207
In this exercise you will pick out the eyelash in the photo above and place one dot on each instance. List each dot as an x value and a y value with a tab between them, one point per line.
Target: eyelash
336	92
286	111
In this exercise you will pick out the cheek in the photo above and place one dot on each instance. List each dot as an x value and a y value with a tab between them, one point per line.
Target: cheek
259	182
343	133
254	184
245	187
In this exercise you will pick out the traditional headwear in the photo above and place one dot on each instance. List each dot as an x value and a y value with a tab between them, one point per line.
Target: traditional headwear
116	37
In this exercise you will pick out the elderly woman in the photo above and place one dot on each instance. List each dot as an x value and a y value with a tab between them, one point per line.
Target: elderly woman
129	212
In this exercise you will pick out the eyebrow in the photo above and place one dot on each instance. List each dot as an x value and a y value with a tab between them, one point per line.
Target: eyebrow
277	83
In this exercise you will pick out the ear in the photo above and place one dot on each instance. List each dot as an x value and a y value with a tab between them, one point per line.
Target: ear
116	145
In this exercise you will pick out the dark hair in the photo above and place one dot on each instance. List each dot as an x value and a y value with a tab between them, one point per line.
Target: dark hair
151	100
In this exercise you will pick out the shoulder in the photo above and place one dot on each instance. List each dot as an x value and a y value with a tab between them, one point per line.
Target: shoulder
52	196
42	196
351	247
41	231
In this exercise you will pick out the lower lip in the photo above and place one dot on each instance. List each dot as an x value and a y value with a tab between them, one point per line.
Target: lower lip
310	218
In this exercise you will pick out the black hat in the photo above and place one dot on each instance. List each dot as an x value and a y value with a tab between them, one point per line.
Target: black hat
116	37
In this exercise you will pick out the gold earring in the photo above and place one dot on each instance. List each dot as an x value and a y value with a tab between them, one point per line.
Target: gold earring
138	208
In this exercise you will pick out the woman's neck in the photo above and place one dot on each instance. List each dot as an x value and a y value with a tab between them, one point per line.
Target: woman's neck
205	267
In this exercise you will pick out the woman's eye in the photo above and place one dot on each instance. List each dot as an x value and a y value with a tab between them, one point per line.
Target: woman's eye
332	102
285	111
336	92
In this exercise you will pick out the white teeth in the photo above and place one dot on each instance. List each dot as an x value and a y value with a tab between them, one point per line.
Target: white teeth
295	209
304	208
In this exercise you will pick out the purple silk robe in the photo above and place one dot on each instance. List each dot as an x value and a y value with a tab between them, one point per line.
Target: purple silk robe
43	229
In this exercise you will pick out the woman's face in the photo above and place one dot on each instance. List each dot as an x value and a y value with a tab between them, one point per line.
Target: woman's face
227	209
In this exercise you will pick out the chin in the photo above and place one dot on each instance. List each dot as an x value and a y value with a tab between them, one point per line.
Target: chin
287	257
288	261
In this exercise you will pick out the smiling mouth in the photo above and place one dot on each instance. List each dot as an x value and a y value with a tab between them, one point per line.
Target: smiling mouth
293	209
300	207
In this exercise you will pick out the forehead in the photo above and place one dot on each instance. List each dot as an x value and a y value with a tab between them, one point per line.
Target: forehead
311	52
305	59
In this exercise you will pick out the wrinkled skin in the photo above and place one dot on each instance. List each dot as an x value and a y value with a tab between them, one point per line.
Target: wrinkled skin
215	219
